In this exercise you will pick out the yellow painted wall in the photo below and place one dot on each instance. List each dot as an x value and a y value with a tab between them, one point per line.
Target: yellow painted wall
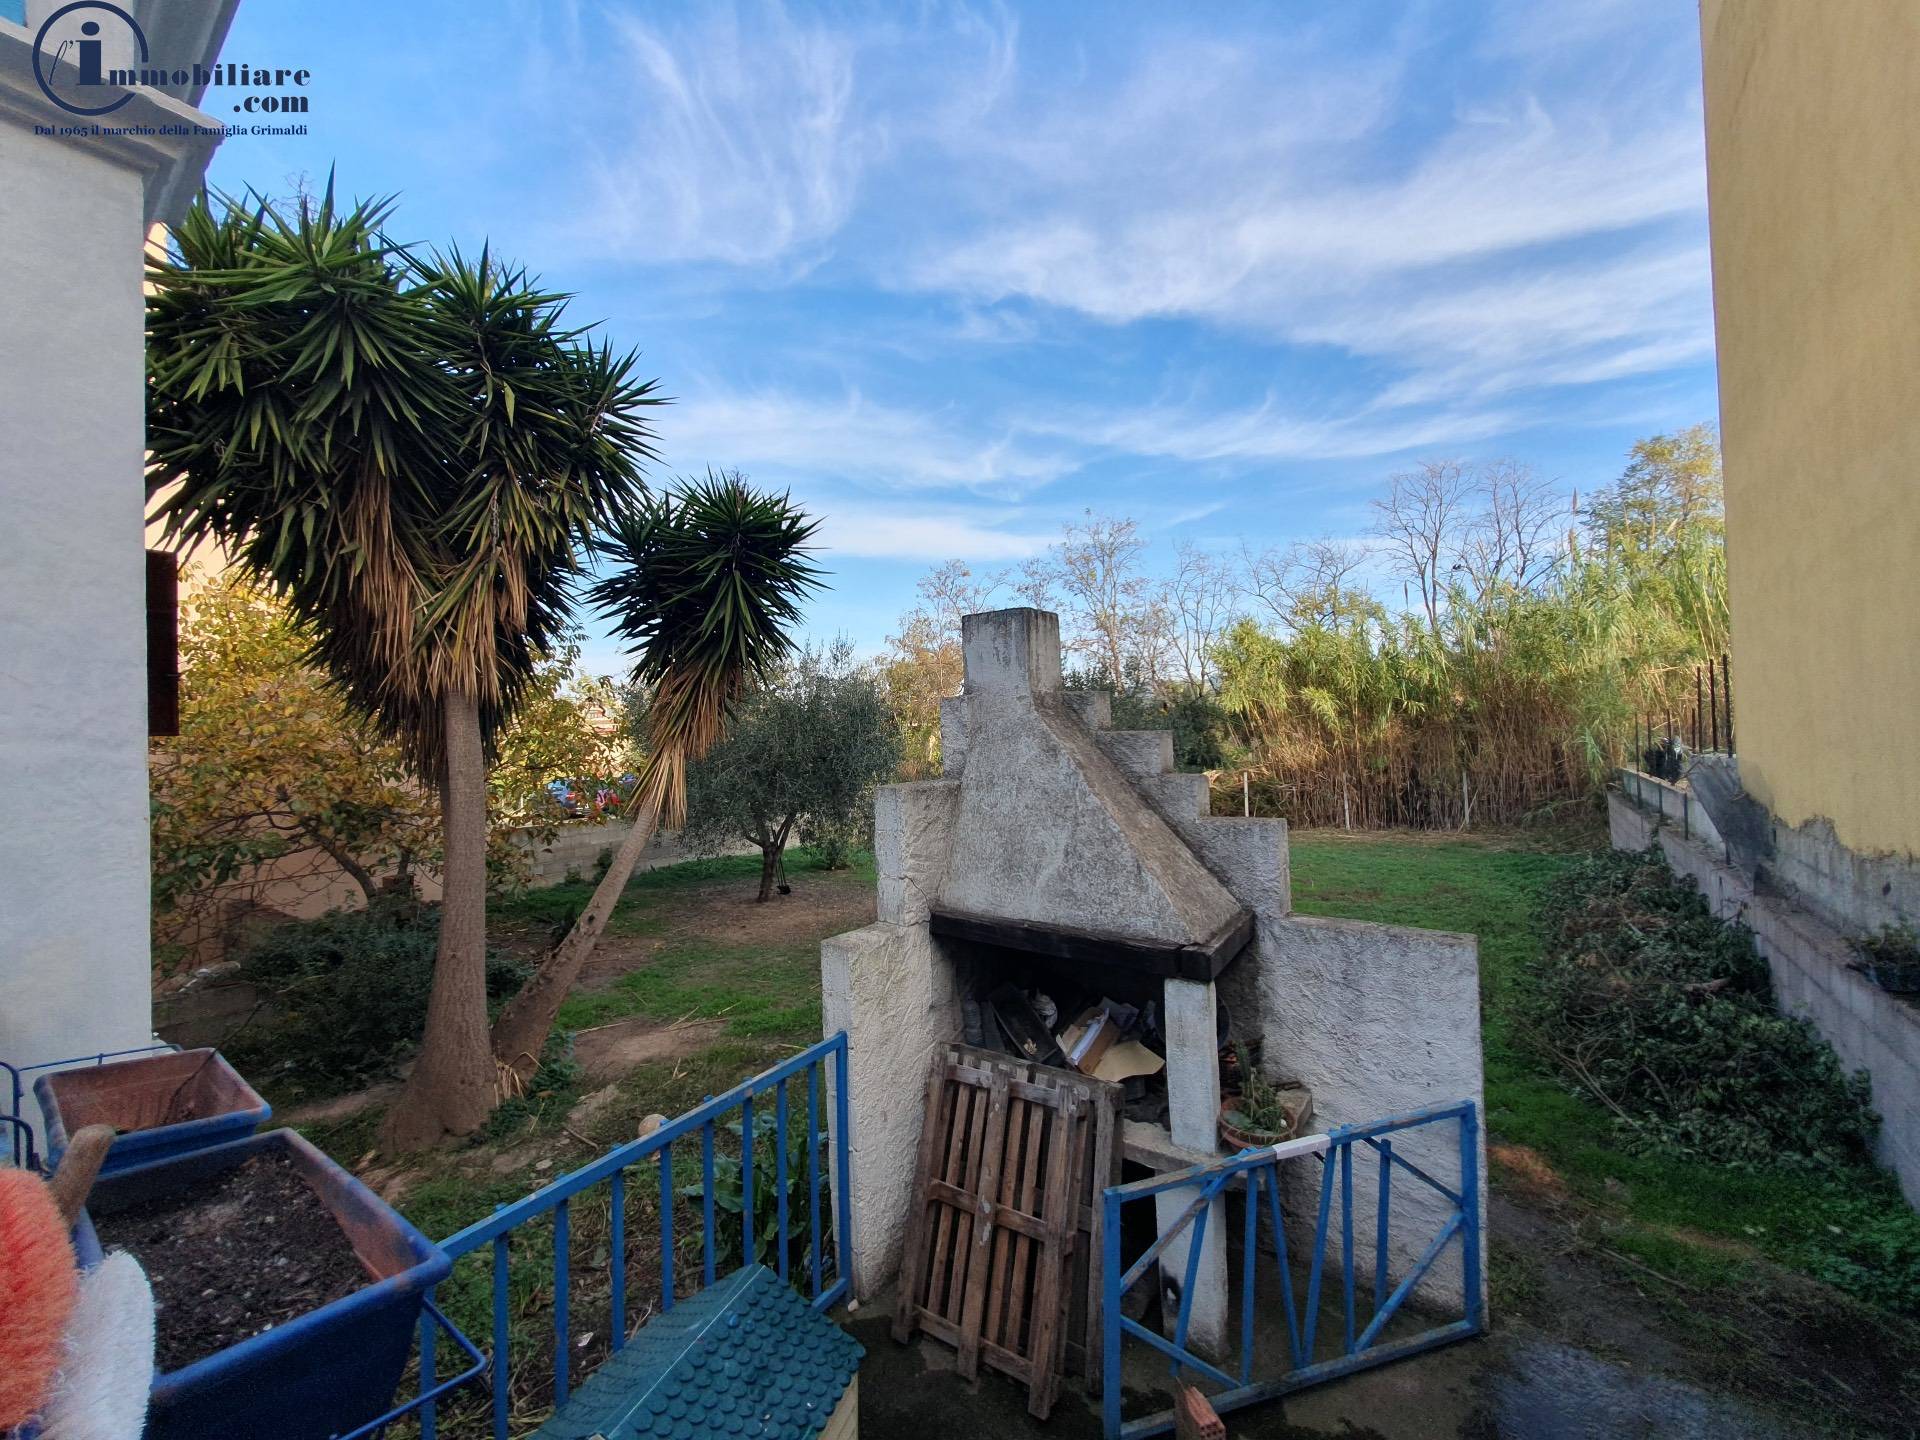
1813	180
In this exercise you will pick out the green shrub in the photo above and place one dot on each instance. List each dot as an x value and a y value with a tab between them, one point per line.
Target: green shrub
729	1196
351	991
1665	1015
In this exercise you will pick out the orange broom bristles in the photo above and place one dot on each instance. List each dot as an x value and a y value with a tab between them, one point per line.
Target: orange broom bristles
37	1285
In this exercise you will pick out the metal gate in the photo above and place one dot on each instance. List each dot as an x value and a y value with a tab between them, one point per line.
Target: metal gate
1311	1355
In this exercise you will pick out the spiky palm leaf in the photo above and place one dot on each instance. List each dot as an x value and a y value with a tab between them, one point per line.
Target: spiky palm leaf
412	451
706	592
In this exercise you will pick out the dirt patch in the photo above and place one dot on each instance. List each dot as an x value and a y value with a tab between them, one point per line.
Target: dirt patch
1576	1299
1779	1343
232	1260
340	1107
725	913
1796	1344
1527	1175
609	1051
819	905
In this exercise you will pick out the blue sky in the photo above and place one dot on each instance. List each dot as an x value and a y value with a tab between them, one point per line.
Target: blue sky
953	274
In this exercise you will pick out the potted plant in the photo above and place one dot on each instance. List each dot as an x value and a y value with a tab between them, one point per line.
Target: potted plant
161	1106
1262	1113
288	1292
1892	959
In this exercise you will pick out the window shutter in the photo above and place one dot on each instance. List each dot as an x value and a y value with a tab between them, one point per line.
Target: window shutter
163	643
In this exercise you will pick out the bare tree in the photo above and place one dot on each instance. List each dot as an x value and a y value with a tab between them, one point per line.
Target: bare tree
923	664
1511	542
1327	588
1197	603
954	590
1308	582
1422	523
1116	615
1272	577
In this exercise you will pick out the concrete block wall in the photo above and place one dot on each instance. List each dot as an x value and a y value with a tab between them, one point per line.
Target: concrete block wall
1850	891
1811	965
1675	803
578	848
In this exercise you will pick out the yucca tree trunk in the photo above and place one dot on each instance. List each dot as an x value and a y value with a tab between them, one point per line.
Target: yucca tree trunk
453	1087
521	1031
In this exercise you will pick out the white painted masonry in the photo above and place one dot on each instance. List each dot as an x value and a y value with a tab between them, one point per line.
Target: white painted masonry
74	966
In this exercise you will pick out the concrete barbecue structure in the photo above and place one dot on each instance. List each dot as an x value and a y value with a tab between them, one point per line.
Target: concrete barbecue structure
1054	843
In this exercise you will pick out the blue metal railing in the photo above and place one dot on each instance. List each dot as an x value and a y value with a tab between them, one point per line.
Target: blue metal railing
806	1071
1256	1174
20	1132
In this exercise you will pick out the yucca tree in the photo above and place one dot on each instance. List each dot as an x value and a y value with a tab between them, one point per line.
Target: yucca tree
705	588
413	452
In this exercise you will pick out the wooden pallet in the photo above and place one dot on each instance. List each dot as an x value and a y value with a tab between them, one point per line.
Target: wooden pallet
1004	1233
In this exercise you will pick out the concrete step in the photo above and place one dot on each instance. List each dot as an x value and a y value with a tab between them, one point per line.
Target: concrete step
1141	754
1094	707
1177	796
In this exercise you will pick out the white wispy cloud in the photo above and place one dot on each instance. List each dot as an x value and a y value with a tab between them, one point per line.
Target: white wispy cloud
1458	244
727	137
1332	264
1576	322
745	134
851	438
1200	433
1290	203
871	533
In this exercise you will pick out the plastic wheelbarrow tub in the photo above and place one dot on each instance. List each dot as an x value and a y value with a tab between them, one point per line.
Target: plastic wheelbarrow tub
321	1374
162	1105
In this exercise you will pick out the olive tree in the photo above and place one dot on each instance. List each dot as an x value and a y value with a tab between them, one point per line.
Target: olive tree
805	749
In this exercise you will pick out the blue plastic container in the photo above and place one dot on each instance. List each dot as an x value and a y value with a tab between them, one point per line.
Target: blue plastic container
141	1099
316	1376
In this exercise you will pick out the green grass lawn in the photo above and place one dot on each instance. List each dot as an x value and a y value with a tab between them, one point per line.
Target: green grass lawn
1850	1229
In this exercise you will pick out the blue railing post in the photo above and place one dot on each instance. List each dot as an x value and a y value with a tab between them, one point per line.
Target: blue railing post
749	1243
707	1222
562	1296
1346	1237
842	1168
427	1335
1470	1213
666	1228
23	1157
1380	1231
813	1175
780	1174
502	1337
617	1254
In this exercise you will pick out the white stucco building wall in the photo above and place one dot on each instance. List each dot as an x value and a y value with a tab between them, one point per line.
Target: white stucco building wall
74	961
